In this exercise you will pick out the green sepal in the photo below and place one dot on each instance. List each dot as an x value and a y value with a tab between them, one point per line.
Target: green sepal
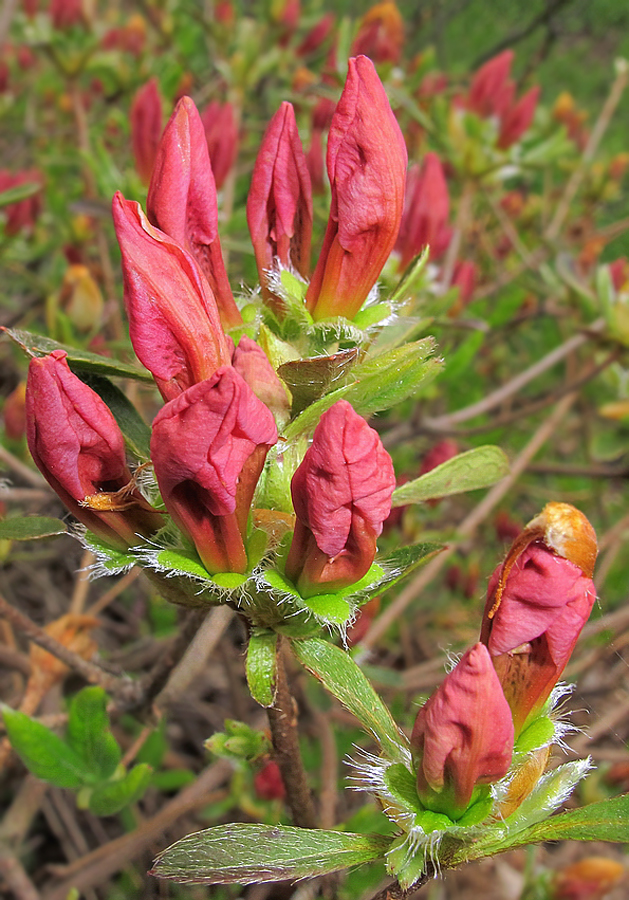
371	315
30	528
539	733
478	468
89	734
108	799
44	753
239	742
262	665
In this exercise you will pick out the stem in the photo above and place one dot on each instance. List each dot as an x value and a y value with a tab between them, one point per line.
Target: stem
394	891
283	723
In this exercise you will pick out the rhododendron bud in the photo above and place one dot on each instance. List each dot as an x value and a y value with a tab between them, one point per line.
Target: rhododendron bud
279	205
182	201
173	318
619	273
221	135
591	878
252	363
463	277
367	168
317	35
146	127
208	448
21	215
66	14
14	413
380	33
463	735
490	86
537	603
426	212
268	782
517	119
342	495
79	449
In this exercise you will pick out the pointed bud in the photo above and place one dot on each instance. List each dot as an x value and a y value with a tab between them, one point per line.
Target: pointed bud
517	119
380	33
537	603
317	35
342	495
252	364
463	735
464	277
487	90
182	201
208	448
146	127
79	449
426	212
591	878
279	205
367	168
173	319
221	135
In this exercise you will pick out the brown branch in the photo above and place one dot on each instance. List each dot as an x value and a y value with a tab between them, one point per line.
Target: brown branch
14	874
284	734
394	891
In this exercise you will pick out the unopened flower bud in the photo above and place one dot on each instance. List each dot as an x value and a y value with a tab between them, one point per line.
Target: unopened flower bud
426	212
252	363
208	448
380	33
537	603
146	127
591	878
517	119
367	168
463	735
342	495
490	86
221	135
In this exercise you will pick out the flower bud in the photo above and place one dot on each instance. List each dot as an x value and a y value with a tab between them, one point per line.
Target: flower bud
380	33
252	364
426	212
464	277
342	495
366	161
463	735
182	201
146	127
221	135
591	878
79	449
537	603
21	215
173	318
490	86
279	205
317	35
517	119
208	448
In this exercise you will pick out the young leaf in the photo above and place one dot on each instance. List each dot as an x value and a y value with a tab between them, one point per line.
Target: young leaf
30	528
108	799
88	732
343	678
261	665
251	854
478	468
44	753
607	820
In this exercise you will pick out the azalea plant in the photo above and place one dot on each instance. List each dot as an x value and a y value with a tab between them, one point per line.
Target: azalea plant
261	486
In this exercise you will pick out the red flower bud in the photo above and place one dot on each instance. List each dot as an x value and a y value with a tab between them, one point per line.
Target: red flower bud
464	277
208	448
380	33
426	212
21	215
221	135
619	273
317	35
182	201
66	14
367	169
252	364
463	735
517	119
146	127
342	495
173	319
279	205
79	449
537	603
490	86
268	782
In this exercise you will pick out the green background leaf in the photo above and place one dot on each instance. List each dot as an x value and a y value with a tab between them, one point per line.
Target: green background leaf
30	528
88	732
43	752
478	468
108	799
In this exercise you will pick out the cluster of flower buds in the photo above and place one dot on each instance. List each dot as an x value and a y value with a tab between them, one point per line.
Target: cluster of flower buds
538	600
492	94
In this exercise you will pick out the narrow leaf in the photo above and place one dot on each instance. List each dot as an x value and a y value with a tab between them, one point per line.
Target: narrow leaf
108	799
604	821
262	665
344	679
43	752
19	192
88	732
30	528
251	854
478	468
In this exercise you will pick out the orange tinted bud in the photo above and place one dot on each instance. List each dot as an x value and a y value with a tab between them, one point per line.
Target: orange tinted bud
589	879
618	166
380	34
81	298
14	413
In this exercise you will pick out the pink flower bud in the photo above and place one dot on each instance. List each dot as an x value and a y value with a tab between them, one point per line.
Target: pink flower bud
268	782
464	277
252	364
463	735
342	495
173	319
279	205
182	201
517	119
208	448
367	168
221	134
22	215
146	127
537	603
490	86
619	273
79	449
380	33
317	35
426	212
66	14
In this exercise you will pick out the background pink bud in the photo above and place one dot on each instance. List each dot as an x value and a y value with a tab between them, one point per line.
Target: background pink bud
380	33
79	449
252	363
173	319
208	448
182	201
342	495
463	735
517	119
279	205
22	215
487	91
317	35
367	169
221	135
146	127
426	212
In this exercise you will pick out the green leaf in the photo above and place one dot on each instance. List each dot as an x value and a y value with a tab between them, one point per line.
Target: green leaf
478	468
78	360
251	854
136	432
19	192
89	734
30	528
261	665
309	378
43	752
108	799
604	821
343	678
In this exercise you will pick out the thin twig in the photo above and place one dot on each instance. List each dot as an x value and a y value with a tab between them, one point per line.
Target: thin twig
14	875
